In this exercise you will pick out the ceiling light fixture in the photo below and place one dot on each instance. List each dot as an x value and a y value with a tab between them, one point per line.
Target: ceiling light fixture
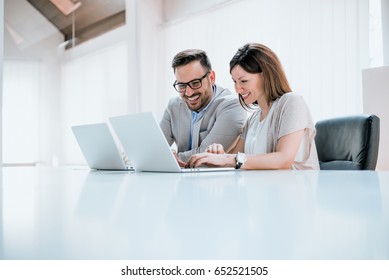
66	6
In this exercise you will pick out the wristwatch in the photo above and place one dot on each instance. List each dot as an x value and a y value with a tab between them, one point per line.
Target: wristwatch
240	160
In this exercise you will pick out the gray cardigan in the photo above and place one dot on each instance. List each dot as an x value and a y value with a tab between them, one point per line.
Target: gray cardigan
290	114
222	123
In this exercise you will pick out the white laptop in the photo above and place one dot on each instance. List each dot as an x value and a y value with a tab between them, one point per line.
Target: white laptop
99	147
144	141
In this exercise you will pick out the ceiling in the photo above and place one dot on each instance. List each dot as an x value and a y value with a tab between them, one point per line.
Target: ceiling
91	19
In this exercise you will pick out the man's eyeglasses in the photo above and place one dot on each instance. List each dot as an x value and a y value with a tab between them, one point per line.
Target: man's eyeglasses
194	84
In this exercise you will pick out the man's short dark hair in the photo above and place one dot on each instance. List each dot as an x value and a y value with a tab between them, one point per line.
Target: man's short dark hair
190	55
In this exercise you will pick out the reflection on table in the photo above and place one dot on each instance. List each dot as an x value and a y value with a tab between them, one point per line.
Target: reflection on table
69	213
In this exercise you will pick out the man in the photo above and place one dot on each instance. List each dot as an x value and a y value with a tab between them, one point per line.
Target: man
203	113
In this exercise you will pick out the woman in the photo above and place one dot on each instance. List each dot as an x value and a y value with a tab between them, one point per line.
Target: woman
280	132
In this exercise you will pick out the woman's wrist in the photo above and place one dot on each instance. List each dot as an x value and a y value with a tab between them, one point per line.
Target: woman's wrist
231	160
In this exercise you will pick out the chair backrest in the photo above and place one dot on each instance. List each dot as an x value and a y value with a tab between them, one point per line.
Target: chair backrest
348	143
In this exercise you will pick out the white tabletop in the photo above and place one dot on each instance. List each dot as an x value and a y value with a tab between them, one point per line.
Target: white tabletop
70	213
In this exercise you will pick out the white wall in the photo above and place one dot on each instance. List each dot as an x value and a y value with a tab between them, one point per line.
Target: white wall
69	92
95	87
385	29
176	10
31	38
1	78
322	45
151	51
115	74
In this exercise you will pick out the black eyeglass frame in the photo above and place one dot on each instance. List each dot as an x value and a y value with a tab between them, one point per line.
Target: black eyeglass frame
200	80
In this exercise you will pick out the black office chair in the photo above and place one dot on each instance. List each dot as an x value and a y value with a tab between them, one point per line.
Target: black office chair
348	143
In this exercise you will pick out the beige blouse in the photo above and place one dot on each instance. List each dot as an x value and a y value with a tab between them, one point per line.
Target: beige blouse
290	114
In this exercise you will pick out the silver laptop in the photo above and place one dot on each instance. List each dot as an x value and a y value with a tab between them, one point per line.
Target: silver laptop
99	147
144	141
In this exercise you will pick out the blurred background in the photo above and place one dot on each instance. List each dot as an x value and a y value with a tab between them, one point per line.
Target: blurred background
75	62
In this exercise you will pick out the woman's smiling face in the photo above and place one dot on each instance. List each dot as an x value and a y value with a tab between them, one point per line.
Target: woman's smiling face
249	86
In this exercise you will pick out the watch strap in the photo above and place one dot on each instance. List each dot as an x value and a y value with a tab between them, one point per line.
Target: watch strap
238	163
